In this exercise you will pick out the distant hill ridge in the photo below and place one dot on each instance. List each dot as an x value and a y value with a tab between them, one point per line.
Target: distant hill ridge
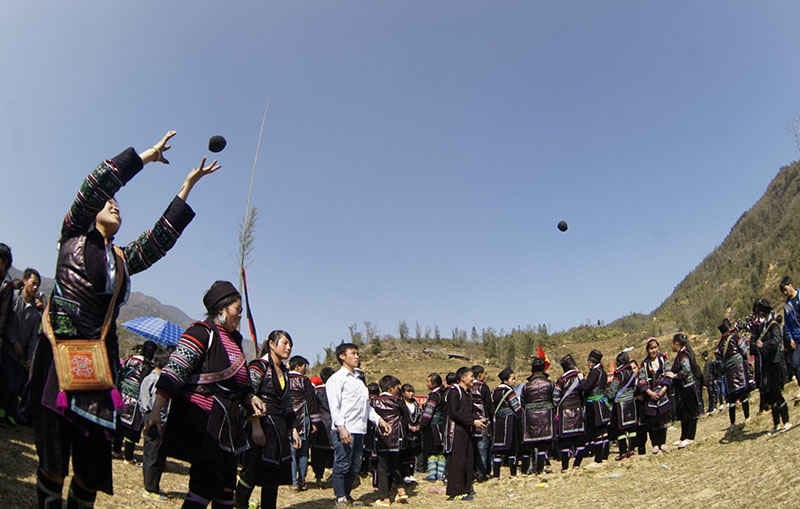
139	304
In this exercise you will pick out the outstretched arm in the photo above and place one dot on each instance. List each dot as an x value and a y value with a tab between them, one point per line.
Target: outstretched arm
152	245
104	182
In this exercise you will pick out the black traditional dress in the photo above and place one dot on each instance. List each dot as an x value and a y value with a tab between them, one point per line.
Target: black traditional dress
458	444
655	412
505	426
270	464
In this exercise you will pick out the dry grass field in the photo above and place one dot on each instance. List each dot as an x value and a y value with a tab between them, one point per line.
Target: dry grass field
745	469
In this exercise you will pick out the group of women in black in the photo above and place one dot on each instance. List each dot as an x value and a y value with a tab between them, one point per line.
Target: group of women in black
765	342
578	416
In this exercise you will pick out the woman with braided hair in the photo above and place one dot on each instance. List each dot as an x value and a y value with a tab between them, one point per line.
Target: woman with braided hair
685	371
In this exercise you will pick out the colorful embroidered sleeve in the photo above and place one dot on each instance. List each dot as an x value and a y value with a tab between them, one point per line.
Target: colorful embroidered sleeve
256	371
557	389
153	244
513	401
100	185
429	409
185	360
683	370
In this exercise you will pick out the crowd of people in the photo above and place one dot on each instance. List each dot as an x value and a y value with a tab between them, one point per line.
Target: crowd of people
243	424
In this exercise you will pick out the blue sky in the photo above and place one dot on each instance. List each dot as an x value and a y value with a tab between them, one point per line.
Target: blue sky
416	156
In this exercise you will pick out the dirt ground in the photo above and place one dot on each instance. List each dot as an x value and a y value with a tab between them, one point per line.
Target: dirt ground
746	468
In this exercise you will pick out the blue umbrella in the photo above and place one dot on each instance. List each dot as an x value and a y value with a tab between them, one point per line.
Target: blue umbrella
155	329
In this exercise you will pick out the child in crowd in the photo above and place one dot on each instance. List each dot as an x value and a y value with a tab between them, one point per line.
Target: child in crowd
411	444
392	409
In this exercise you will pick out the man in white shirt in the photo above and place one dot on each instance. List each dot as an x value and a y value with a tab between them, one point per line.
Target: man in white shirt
348	400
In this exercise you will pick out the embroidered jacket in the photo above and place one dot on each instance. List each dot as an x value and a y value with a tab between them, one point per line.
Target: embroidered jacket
304	403
203	365
393	410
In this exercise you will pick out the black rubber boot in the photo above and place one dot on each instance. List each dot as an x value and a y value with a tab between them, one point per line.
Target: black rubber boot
526	464
497	462
541	460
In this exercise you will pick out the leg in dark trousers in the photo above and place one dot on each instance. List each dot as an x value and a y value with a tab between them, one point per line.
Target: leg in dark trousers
131	437
712	397
641	440
497	462
80	497
119	438
388	472
269	496
658	435
153	463
688	428
780	411
320	460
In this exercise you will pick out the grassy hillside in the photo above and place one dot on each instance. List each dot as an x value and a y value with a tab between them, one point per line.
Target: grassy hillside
411	360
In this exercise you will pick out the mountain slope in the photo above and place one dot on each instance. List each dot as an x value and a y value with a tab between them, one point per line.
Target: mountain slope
760	249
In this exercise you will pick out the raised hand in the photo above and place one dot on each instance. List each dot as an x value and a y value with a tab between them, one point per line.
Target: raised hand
196	174
162	147
156	152
202	170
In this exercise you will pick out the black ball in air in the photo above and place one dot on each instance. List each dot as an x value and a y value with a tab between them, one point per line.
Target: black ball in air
216	143
562	226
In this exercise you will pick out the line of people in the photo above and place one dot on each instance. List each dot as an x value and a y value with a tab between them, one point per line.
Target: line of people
578	416
21	306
